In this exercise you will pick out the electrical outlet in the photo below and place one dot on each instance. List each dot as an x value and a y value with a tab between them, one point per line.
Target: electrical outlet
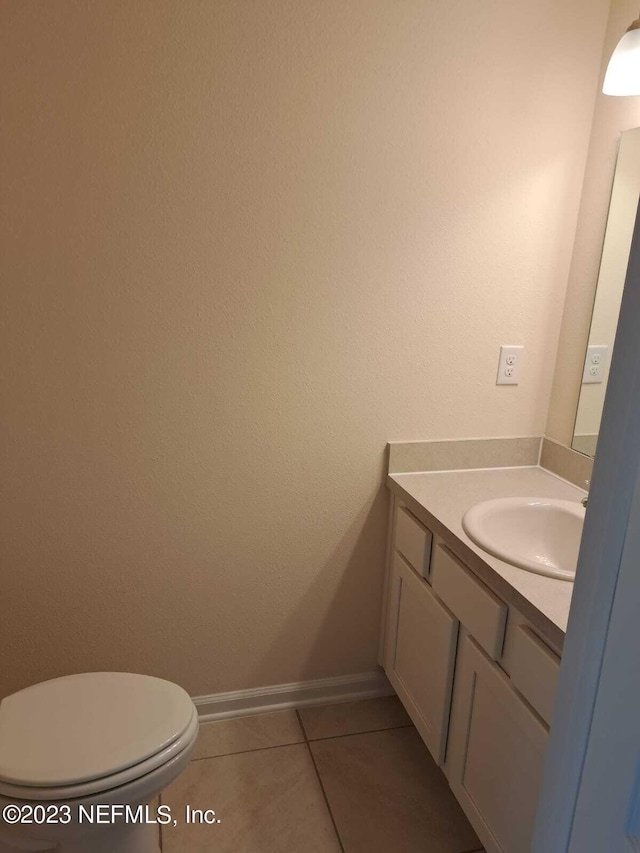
509	365
595	364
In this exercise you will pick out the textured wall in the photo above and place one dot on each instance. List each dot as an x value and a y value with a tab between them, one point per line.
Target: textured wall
612	116
243	245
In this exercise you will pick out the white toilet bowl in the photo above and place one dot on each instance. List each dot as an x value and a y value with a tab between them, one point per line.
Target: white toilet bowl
71	745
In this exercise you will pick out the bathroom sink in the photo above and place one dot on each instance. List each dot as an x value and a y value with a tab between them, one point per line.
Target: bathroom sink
537	534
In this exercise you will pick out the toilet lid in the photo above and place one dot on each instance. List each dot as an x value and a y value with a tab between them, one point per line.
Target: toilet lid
89	726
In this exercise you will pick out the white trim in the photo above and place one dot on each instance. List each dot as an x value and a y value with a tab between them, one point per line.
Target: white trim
279	697
615	473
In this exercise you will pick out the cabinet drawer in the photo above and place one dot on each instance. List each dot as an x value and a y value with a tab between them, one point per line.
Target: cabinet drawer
534	671
480	611
413	541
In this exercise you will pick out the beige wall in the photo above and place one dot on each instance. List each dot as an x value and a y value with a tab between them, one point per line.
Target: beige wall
612	116
243	245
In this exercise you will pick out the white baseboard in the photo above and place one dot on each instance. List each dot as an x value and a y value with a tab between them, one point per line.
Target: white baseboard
279	697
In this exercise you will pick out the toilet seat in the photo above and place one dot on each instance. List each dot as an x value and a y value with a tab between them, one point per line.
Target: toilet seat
82	734
104	783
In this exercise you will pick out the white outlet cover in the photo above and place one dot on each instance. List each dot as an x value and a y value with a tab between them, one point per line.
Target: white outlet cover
595	364
509	365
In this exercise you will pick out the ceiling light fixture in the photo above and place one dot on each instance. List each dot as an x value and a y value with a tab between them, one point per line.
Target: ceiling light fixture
623	71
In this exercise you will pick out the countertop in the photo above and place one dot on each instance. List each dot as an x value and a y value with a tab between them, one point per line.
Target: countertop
440	499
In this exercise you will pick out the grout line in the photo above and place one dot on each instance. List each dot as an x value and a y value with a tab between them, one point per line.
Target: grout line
305	740
301	724
366	732
324	793
253	749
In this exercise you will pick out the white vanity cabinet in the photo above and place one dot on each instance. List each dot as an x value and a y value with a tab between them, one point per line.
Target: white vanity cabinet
475	679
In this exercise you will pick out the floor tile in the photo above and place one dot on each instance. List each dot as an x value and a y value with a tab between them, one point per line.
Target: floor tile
387	794
241	734
267	801
349	718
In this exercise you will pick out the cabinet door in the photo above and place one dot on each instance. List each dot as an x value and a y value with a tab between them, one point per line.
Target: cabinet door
495	754
420	654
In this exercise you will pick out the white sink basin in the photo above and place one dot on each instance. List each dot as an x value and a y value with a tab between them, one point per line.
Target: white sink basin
535	534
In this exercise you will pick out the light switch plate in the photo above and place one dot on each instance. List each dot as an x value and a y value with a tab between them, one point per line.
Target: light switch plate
595	364
509	365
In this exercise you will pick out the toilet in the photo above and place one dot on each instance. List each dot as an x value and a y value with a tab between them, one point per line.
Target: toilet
99	739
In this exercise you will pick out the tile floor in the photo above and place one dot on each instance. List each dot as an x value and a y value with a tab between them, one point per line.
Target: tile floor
353	777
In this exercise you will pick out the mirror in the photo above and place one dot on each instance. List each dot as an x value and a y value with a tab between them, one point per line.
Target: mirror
613	268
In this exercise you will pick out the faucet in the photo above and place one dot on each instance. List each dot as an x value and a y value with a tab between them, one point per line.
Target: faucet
586	498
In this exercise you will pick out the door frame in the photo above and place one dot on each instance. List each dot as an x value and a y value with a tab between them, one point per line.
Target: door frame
610	511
